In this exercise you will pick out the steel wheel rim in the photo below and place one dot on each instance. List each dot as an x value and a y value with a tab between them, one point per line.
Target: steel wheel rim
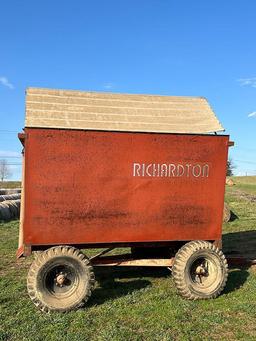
70	284
207	281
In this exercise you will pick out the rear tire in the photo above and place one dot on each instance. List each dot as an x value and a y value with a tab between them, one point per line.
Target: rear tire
60	279
200	270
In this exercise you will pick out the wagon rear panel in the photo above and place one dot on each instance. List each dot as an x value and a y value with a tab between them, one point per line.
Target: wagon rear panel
92	187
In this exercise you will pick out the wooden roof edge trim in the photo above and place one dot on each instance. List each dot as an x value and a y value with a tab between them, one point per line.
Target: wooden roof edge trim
196	132
214	114
32	90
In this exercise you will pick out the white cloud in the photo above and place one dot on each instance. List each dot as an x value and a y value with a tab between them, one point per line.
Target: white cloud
248	82
109	86
252	114
8	154
5	82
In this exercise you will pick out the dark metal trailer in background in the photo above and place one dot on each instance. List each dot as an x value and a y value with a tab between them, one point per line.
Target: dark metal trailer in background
108	170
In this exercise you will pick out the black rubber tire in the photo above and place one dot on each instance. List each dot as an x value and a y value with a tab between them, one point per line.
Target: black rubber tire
41	280
189	260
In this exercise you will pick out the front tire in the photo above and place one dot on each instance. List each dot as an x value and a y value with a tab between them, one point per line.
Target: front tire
60	279
200	270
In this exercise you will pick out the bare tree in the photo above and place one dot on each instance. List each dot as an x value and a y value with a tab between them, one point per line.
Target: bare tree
5	171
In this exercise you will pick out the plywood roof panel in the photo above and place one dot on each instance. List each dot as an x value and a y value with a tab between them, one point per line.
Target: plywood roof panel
69	109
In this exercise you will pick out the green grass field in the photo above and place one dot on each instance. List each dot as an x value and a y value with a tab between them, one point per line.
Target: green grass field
137	304
246	183
10	184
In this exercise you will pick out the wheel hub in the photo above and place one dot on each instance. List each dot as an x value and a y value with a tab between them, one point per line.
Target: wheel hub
60	279
201	270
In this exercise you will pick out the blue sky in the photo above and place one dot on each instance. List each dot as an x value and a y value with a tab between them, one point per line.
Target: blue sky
183	48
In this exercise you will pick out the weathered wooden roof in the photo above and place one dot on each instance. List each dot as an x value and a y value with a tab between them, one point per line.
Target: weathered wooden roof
70	109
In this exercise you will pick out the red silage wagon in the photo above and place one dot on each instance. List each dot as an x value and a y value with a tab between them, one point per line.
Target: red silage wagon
107	170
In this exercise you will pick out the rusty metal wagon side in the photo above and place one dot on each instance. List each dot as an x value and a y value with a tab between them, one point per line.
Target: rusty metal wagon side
111	170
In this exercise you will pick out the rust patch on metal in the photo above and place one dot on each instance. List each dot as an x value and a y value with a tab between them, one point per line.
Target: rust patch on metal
81	189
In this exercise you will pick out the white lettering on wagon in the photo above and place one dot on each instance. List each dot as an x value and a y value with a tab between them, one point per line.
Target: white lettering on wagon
170	170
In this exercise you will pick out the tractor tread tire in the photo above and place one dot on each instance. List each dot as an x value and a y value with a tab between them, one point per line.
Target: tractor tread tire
46	257
180	263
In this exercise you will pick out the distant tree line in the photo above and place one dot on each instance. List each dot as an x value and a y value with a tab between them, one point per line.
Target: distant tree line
230	167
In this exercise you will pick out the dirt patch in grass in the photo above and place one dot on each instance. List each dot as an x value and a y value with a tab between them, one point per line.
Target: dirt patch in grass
243	195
